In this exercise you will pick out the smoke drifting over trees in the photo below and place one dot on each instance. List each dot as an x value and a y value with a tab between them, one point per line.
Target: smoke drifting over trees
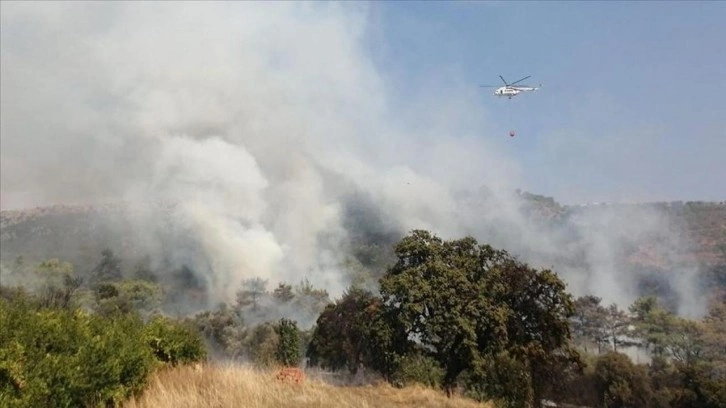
273	142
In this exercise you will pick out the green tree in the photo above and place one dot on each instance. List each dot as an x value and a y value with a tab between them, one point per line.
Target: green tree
186	279
216	324
701	386
419	368
142	270
537	327
616	326
501	379
622	384
53	357
144	295
311	299
261	344
685	344
443	306
108	268
288	348
462	302
713	335
59	283
588	322
187	290
252	290
110	302
174	342
283	293
666	334
356	332
54	270
653	324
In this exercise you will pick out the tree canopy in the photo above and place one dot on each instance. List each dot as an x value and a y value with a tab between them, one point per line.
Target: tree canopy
460	303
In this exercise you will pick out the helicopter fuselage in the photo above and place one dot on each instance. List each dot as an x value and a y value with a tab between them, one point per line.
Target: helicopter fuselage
510	91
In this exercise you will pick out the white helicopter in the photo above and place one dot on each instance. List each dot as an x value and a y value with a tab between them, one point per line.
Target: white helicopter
509	90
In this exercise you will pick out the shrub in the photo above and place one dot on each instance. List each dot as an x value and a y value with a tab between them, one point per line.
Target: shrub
143	295
288	348
502	379
63	357
419	369
174	342
621	383
68	358
261	343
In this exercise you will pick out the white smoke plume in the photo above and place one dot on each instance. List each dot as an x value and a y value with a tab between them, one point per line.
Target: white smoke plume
259	121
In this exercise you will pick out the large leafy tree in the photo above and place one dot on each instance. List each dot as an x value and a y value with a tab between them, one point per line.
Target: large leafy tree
463	302
538	328
436	291
355	332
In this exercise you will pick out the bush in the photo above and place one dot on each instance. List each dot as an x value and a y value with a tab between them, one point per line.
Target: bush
620	383
288	348
419	369
68	358
261	344
174	342
501	379
63	357
143	295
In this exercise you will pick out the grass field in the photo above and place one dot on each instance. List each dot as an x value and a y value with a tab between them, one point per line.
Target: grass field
241	386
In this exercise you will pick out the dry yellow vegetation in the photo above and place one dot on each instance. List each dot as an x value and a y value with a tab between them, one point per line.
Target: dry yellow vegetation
240	386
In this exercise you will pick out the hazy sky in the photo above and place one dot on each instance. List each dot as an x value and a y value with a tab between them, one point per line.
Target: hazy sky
632	106
633	103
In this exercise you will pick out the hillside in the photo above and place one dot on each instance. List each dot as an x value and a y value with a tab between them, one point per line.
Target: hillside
69	231
238	386
703	223
682	238
73	233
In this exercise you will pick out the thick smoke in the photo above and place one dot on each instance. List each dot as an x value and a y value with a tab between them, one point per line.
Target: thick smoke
261	124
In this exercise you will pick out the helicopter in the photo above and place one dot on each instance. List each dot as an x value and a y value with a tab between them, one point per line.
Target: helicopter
509	90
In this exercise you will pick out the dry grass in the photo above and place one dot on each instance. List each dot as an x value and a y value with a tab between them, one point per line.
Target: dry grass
238	386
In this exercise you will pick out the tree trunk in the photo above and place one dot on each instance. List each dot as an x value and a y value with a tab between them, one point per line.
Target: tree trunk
536	387
450	381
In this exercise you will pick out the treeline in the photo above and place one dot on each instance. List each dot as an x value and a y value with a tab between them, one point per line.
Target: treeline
456	315
259	325
171	289
73	338
687	358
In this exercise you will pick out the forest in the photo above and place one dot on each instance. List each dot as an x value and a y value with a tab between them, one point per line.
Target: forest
455	315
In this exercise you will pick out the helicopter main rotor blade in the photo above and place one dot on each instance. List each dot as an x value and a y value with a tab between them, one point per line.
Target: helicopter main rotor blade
505	82
516	82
